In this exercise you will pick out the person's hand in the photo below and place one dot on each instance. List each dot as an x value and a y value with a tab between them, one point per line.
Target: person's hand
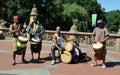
24	25
59	48
101	41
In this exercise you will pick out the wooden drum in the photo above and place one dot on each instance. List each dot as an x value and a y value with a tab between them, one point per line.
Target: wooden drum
69	46
66	57
21	44
35	44
98	48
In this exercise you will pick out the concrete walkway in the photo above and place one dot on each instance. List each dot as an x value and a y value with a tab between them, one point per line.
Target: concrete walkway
45	68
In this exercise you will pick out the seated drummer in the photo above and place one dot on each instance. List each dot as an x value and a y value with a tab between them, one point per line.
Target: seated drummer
57	39
15	31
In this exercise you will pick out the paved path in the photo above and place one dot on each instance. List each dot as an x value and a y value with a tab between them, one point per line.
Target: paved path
113	64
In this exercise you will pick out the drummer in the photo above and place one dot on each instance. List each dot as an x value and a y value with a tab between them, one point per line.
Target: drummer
100	34
15	31
36	29
57	39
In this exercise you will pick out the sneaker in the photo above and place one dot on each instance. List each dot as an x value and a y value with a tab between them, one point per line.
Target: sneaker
32	60
39	60
13	63
103	66
24	61
93	65
53	62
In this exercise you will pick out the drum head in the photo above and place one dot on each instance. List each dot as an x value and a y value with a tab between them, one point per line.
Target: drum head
35	40
66	57
22	39
97	45
69	46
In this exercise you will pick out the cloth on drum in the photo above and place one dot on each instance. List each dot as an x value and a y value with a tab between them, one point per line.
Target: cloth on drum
14	44
77	51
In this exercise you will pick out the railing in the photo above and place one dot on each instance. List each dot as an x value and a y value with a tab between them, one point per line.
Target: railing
84	39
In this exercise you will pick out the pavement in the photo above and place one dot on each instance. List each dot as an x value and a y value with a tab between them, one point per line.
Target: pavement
45	68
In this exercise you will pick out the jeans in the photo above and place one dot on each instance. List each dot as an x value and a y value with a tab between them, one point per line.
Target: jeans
53	48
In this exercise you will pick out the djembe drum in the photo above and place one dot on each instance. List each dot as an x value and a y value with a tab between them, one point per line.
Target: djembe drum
98	48
21	44
35	45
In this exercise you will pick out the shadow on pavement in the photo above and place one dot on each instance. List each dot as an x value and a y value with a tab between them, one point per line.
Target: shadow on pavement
112	64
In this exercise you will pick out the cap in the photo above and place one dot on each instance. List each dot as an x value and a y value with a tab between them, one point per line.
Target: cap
15	17
99	21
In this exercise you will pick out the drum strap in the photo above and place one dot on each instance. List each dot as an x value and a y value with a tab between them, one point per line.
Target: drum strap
100	34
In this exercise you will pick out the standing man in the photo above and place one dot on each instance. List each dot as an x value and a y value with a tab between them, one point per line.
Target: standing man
35	30
15	31
100	34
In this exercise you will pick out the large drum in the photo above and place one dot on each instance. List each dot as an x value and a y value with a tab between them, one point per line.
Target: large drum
21	44
98	48
66	57
69	46
35	45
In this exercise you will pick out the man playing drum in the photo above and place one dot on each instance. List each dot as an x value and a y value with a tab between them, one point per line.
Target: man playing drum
15	31
100	35
36	29
57	43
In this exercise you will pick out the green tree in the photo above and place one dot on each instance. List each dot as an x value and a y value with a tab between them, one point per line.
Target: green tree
113	20
74	13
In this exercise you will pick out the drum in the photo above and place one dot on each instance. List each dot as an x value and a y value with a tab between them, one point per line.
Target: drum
21	44
66	57
98	48
22	39
69	46
35	45
72	38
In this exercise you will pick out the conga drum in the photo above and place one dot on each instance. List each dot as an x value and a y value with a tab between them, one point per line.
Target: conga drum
21	44
66	57
98	48
72	38
34	44
69	46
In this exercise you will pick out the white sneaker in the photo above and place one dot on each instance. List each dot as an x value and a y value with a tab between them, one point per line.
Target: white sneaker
53	62
13	63
103	66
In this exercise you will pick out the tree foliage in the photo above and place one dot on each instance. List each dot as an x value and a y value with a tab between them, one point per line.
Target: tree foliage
113	20
60	12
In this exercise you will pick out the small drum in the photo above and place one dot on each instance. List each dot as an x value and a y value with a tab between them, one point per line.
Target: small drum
21	44
98	48
70	46
35	45
72	38
66	57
